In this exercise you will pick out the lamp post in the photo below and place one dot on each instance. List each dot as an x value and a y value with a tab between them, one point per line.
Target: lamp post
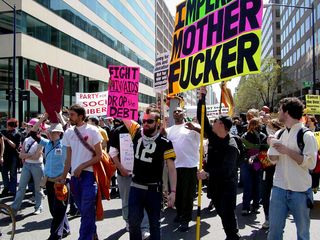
14	59
313	37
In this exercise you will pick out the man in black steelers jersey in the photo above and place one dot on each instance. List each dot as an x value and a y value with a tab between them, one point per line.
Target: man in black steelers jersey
152	151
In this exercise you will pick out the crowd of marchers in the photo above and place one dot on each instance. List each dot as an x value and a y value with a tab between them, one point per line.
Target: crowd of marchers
271	156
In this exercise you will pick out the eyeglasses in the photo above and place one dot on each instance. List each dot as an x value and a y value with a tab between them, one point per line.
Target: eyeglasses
149	121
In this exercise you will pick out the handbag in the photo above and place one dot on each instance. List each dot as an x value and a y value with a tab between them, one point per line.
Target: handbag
61	191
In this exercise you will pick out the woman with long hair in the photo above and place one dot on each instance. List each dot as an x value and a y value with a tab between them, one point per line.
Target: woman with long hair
254	140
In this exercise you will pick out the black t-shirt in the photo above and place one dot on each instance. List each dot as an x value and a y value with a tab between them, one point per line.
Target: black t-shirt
9	151
149	159
114	140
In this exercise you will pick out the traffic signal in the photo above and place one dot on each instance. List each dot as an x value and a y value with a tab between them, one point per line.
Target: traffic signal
9	95
24	95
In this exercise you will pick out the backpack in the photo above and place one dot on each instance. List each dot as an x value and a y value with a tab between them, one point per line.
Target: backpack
241	148
301	144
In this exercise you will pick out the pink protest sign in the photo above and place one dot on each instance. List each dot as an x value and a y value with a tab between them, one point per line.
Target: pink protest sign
123	92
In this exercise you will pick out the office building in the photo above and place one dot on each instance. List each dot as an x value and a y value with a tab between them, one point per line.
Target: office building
80	38
271	34
297	45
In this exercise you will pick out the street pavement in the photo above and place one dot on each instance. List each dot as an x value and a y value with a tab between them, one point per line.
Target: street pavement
37	227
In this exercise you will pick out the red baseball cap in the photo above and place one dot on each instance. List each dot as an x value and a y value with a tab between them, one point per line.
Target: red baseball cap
12	120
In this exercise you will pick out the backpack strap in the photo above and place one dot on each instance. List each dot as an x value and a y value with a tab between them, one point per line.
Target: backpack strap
300	135
280	133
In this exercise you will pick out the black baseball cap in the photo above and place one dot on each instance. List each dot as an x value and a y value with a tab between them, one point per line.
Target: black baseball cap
226	120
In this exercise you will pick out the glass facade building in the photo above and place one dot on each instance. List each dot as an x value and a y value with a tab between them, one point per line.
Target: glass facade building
271	35
80	38
297	45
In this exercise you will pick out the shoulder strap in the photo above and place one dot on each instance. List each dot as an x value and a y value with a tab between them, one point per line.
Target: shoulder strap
280	133
87	145
54	146
30	146
300	135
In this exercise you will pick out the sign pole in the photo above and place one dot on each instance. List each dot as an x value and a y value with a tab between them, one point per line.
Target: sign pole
200	168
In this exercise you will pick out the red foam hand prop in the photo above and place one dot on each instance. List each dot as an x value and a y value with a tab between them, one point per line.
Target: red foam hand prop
51	91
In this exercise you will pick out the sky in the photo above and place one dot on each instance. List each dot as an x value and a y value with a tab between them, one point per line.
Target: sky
231	84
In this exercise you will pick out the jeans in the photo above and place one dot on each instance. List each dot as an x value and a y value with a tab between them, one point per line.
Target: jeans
60	223
9	174
84	190
251	186
283	201
124	189
34	170
149	200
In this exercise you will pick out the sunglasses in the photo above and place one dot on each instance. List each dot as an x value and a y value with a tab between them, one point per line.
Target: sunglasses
149	121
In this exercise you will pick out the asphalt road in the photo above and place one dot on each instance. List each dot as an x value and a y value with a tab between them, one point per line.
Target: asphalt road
37	227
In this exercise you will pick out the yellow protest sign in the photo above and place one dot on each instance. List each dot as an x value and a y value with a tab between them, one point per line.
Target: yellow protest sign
214	42
312	104
317	135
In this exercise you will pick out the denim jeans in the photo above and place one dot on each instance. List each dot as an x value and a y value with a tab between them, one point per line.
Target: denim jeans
282	201
84	190
124	190
251	186
34	170
9	174
139	200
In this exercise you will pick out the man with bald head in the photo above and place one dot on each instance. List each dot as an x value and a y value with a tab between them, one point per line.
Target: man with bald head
185	138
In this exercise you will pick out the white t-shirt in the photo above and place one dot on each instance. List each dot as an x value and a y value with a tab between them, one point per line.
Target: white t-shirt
186	145
27	143
79	153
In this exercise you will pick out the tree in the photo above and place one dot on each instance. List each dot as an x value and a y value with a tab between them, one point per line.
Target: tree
255	91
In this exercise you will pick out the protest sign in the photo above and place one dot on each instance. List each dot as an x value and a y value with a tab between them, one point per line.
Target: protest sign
94	103
161	70
51	90
214	41
126	151
317	136
123	92
213	111
313	104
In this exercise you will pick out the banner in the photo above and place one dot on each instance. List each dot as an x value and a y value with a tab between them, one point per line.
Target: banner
212	111
123	92
214	41
94	103
161	70
312	104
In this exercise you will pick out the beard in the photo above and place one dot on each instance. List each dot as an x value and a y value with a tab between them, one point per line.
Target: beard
150	131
